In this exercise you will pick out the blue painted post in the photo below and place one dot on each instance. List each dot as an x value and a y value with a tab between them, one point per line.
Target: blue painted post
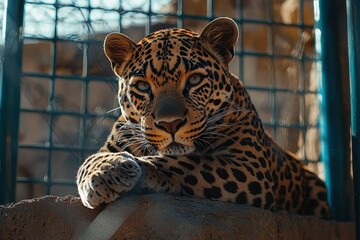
353	11
10	98
331	119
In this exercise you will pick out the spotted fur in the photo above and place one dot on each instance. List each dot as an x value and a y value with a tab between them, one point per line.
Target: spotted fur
188	127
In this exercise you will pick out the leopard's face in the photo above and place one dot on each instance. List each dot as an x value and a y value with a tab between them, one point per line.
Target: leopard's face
172	86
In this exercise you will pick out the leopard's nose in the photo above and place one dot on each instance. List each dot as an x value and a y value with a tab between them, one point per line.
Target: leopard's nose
172	126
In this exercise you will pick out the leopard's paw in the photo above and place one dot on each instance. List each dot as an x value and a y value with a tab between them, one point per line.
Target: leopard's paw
103	184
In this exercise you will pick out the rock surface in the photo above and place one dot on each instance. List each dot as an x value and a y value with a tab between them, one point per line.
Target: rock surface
157	216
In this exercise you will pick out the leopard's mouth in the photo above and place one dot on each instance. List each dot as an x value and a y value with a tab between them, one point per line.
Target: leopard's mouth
176	149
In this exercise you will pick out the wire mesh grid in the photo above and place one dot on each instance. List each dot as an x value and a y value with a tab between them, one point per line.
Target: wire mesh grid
68	92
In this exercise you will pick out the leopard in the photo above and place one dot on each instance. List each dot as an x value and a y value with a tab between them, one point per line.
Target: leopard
188	127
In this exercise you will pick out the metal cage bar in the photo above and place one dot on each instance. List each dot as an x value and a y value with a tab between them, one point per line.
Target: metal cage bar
10	98
353	11
331	118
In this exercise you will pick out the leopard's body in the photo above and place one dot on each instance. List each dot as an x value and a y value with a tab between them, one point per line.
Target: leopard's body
188	126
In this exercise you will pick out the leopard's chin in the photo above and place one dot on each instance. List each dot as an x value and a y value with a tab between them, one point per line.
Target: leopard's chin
176	149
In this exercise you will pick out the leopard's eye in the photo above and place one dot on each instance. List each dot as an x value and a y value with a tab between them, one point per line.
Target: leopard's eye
142	86
195	79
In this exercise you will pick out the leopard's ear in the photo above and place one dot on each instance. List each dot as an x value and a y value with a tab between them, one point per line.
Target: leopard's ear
118	49
221	34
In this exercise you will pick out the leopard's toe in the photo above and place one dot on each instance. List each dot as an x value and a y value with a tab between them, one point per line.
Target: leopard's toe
110	180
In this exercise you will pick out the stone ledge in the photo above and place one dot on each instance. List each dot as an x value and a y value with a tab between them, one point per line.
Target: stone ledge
157	216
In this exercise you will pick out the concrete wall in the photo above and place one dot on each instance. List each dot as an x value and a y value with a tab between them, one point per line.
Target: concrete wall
157	216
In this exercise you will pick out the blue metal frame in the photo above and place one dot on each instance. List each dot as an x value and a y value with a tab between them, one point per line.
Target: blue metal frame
333	129
10	98
331	117
353	18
